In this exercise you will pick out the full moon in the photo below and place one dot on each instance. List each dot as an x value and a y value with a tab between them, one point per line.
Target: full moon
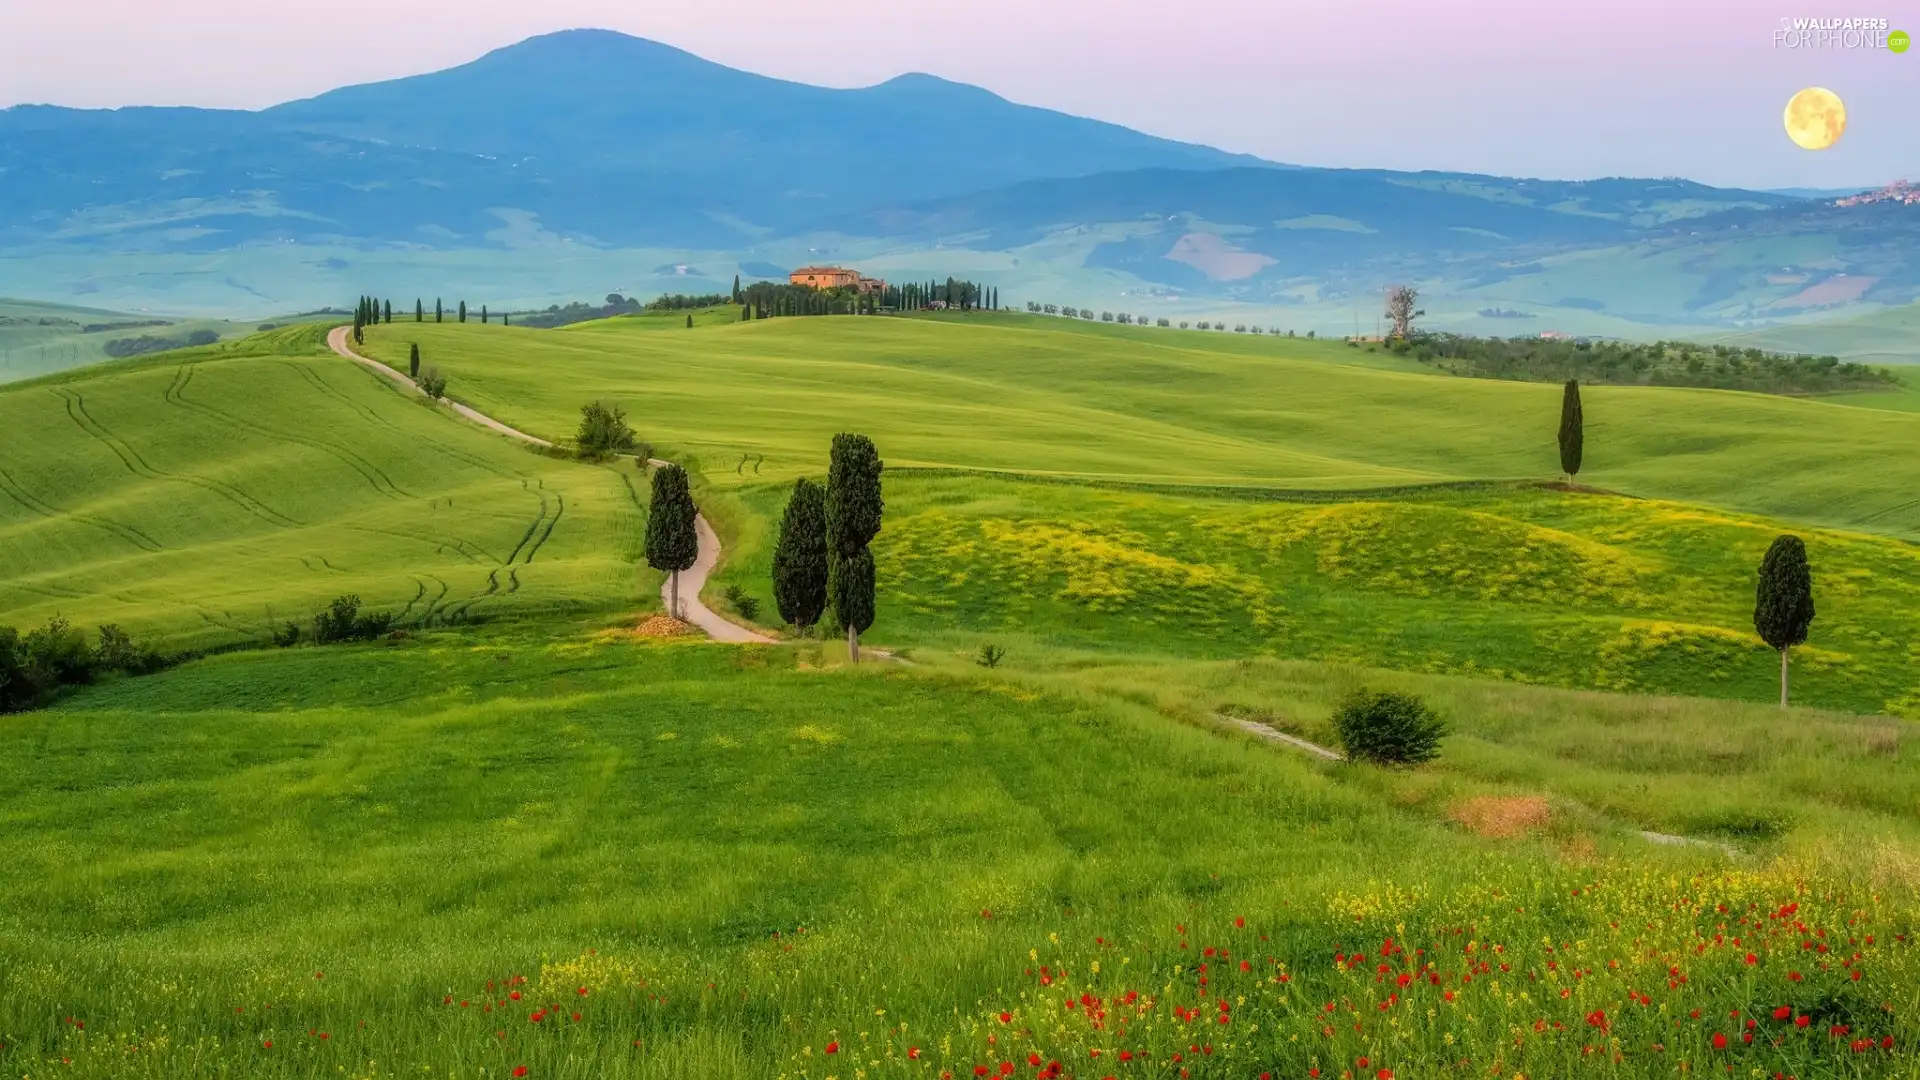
1816	118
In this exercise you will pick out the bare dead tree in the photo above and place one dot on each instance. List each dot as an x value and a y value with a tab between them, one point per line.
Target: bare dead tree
1402	309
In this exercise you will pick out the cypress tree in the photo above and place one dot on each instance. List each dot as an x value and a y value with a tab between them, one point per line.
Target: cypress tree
439	315
483	313
854	507
419	311
1783	603
413	362
463	311
1572	430
800	556
388	312
689	321
673	544
736	288
505	319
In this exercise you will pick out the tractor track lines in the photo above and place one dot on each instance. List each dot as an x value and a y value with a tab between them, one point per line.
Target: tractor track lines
176	394
138	466
419	590
47	510
319	383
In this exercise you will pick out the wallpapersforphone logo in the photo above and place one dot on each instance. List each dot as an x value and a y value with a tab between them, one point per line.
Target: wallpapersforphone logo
1844	33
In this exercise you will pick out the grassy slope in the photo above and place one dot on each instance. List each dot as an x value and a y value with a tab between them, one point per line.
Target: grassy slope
1523	584
1044	396
197	493
742	857
30	351
1886	336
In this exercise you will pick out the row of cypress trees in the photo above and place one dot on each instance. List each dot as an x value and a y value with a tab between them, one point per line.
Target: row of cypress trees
1783	599
822	559
822	556
370	312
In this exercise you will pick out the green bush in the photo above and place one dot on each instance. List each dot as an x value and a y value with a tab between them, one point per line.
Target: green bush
1388	729
33	668
603	431
343	621
432	383
287	636
743	602
117	652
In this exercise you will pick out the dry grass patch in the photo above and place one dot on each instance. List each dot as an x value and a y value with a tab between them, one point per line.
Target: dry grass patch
1501	817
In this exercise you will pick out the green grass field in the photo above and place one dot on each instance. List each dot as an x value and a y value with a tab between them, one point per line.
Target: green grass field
521	842
207	496
1035	395
534	847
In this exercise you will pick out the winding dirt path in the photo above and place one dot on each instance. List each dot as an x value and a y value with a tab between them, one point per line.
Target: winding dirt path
691	580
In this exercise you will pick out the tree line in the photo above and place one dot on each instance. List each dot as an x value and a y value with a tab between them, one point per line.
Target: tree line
1124	319
371	311
36	666
1661	363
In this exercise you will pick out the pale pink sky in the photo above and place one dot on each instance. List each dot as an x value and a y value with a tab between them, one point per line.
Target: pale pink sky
1573	88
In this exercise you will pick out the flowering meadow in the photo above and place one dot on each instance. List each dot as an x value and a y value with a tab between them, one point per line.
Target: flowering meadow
1508	582
1618	973
472	854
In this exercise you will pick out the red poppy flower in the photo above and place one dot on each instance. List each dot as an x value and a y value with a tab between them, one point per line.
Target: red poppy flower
519	1070
1719	1041
913	1053
515	995
980	1070
1006	1017
1782	1012
1802	1021
268	1044
832	1048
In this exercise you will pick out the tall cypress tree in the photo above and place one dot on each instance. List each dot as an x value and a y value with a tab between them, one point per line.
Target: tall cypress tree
736	288
439	314
413	362
800	556
388	312
463	311
1783	602
1572	430
854	507
673	541
505	319
483	313
419	311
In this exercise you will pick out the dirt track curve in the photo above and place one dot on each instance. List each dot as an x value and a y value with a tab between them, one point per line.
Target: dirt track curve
691	580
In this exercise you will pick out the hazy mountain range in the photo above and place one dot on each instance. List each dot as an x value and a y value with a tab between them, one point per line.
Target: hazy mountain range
583	161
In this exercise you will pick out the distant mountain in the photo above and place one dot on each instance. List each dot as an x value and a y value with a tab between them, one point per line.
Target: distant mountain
585	134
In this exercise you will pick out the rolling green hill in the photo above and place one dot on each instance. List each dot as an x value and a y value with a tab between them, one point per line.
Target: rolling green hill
1051	397
40	339
521	842
210	495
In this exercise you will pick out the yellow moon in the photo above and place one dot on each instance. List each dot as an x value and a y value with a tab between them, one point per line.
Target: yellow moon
1816	118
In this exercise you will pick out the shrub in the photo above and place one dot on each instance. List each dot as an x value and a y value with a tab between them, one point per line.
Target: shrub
1388	728
990	656
603	430
743	602
343	621
432	383
117	652
287	636
57	655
